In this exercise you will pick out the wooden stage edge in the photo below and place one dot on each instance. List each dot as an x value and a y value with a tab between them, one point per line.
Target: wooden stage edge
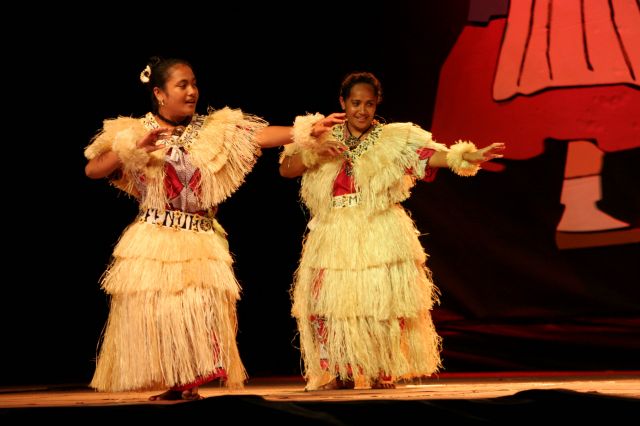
443	387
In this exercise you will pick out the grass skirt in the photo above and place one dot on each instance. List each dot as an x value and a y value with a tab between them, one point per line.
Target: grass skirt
173	318
365	277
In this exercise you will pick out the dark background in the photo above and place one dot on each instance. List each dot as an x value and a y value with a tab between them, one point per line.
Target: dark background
510	299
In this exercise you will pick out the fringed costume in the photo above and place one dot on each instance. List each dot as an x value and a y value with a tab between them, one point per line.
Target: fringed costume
172	321
362	293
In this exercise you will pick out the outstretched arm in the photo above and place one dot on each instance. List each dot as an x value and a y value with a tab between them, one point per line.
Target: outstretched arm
489	152
273	136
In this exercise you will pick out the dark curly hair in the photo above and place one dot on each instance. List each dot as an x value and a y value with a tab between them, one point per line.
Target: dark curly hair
360	77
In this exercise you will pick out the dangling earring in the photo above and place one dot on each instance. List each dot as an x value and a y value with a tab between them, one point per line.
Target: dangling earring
161	102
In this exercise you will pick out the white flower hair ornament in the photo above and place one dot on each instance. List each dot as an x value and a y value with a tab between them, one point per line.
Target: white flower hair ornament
145	74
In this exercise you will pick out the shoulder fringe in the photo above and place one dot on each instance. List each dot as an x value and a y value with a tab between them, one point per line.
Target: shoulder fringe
317	185
226	151
384	167
419	137
455	161
103	141
125	145
120	135
309	158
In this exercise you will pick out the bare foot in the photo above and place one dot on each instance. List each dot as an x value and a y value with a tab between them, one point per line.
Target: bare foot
338	383
191	395
170	395
345	384
175	395
383	384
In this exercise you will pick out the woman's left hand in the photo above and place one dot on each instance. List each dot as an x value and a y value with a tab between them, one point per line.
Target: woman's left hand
150	141
487	153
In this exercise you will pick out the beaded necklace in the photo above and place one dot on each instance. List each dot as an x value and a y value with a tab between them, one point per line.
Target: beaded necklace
352	141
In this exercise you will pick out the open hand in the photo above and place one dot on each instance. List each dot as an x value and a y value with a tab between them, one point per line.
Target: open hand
487	153
150	141
320	127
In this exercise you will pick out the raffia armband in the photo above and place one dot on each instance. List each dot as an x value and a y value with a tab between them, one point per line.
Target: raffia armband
302	129
305	143
132	157
459	165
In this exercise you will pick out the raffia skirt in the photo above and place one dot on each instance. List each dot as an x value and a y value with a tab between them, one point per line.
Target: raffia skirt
172	317
362	299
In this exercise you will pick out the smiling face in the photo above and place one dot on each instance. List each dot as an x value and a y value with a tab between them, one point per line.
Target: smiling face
178	97
360	107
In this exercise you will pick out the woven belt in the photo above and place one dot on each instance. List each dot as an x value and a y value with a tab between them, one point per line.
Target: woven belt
177	219
347	200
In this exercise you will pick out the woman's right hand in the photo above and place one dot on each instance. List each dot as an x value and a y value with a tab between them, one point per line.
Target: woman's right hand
322	126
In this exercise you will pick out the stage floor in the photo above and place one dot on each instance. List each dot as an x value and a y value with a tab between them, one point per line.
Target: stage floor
451	386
